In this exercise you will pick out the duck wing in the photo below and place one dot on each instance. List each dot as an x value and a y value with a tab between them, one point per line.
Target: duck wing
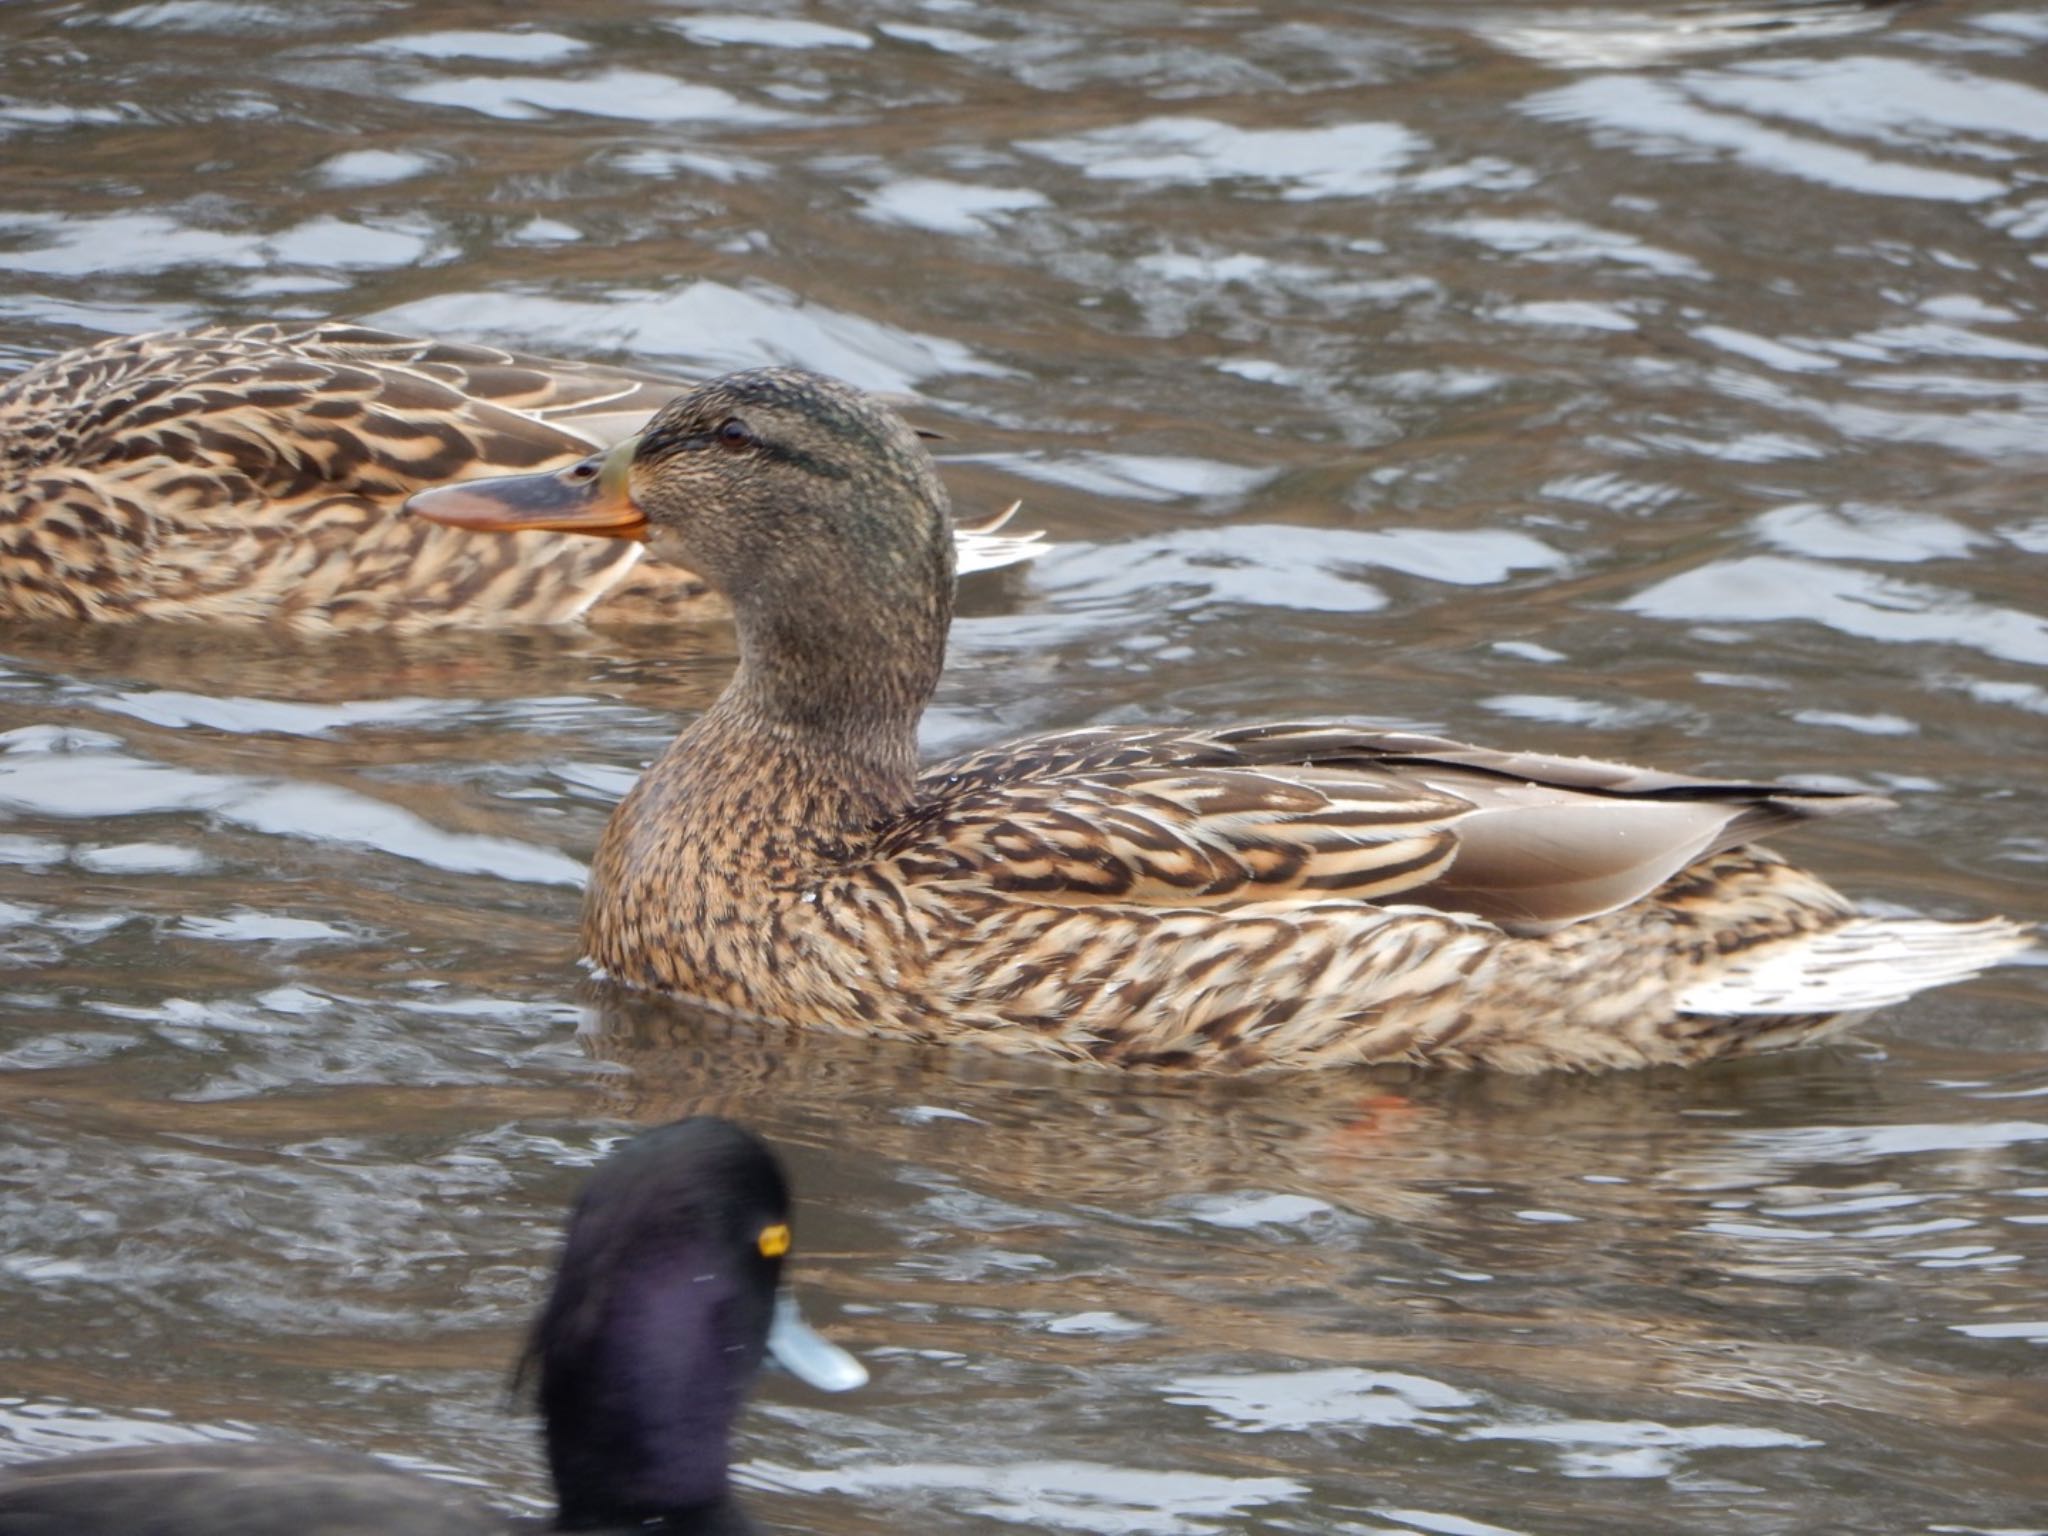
1312	812
341	406
594	404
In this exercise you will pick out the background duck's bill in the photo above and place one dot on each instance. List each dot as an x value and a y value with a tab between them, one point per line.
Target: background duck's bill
572	500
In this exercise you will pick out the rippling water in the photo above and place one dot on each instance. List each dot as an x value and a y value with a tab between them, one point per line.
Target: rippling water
1663	382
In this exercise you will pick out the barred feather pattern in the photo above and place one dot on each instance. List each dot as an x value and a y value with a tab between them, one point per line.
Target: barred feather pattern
1269	898
256	474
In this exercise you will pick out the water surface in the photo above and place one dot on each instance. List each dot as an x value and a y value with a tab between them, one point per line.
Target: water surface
1663	382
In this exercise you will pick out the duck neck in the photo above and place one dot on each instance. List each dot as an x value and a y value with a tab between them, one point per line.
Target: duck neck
639	1424
829	702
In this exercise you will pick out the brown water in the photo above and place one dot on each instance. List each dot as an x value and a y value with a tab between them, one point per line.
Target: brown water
1664	383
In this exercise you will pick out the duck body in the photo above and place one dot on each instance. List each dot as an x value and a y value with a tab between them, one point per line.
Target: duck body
1251	900
663	1308
254	474
247	1489
1265	897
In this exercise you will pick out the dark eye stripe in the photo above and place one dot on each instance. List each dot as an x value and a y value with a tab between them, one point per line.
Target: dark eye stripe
657	446
822	468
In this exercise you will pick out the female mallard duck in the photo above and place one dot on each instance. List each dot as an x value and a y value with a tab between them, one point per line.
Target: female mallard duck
663	1306
1259	897
256	474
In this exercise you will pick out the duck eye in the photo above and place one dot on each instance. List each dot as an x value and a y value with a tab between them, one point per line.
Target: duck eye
774	1241
734	433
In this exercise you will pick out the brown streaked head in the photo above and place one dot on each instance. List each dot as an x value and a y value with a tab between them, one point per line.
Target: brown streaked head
773	483
810	505
783	486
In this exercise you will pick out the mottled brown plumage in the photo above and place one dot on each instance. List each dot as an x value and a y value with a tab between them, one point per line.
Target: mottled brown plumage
1271	896
255	474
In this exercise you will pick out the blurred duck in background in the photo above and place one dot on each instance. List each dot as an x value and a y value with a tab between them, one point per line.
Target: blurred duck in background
255	474
666	1301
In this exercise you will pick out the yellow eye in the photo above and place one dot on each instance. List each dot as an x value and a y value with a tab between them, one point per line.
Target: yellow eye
774	1241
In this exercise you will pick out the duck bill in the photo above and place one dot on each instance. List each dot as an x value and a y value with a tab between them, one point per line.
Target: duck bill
587	497
807	1354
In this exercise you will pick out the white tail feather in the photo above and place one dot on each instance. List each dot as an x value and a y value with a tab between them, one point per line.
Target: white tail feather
985	547
1868	963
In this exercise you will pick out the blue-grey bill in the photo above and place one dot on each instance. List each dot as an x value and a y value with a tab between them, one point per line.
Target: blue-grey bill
808	1355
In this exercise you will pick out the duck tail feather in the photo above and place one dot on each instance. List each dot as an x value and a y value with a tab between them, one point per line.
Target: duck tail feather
1868	962
984	546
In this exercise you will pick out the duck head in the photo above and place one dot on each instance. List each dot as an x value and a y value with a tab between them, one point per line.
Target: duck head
665	1305
813	507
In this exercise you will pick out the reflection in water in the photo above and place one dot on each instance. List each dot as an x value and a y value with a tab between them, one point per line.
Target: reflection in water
1651	113
1344	160
1865	604
1660	382
707	327
1609	37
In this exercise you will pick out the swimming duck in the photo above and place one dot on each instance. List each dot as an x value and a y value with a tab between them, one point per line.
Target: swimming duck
255	474
664	1303
1259	896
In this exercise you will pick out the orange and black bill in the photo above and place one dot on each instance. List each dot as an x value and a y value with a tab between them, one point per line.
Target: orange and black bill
588	497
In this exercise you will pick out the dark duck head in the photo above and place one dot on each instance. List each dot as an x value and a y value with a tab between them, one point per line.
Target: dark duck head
666	1302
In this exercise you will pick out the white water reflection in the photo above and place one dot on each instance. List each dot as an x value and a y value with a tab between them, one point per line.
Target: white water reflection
1644	351
117	243
1756	589
1859	531
639	95
31	1428
1578	314
1772	352
1906	103
1438	1523
768	32
1588	714
179	710
708	327
941	39
1130	476
1344	160
243	927
520	47
137	242
2032	1332
221	15
139	859
1664	117
1570	242
1056	1495
1638	1448
1851	1145
372	167
947	207
1604	38
78	775
1263	1402
1247	1210
1307	569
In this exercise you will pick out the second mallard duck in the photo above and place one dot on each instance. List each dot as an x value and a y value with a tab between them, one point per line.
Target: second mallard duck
1265	896
254	474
